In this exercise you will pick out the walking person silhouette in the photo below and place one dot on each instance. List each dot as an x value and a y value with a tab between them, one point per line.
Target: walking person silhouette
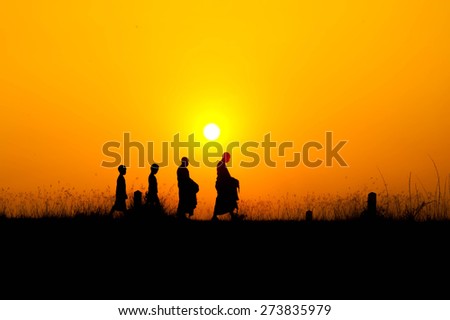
227	190
121	192
187	191
153	203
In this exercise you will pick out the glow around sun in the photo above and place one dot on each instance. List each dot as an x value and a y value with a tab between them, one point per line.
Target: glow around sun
211	131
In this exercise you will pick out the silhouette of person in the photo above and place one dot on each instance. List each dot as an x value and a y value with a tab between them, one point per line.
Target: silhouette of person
153	203
227	190
121	191
187	190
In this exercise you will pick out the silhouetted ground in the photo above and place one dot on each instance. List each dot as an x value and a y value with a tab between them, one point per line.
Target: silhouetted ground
98	258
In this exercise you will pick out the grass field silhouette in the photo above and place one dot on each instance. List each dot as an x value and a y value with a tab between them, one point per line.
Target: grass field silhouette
66	242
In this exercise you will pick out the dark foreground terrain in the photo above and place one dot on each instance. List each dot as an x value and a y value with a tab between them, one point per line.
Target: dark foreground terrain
98	258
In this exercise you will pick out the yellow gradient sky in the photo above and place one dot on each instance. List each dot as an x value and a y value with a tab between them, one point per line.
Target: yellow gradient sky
74	75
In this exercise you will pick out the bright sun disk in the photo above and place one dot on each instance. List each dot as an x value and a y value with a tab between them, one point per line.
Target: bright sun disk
211	131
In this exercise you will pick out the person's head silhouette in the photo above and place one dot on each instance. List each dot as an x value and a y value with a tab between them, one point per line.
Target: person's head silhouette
154	168
226	157
184	162
122	169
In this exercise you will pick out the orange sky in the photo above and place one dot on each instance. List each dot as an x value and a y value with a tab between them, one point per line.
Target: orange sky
76	75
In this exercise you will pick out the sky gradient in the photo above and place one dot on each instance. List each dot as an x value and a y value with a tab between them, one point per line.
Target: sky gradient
74	76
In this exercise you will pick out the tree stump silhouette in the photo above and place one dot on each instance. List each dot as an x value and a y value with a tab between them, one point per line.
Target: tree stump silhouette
372	205
137	202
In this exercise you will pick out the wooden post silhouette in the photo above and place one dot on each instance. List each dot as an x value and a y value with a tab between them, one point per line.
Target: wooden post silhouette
309	215
372	205
137	200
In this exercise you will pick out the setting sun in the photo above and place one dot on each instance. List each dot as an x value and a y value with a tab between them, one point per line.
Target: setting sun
211	131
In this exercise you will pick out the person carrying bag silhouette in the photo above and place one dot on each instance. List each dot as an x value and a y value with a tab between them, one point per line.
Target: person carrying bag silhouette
227	188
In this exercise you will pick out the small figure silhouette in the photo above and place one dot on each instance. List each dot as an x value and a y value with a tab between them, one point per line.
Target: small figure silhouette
153	203
227	190
121	192
187	191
